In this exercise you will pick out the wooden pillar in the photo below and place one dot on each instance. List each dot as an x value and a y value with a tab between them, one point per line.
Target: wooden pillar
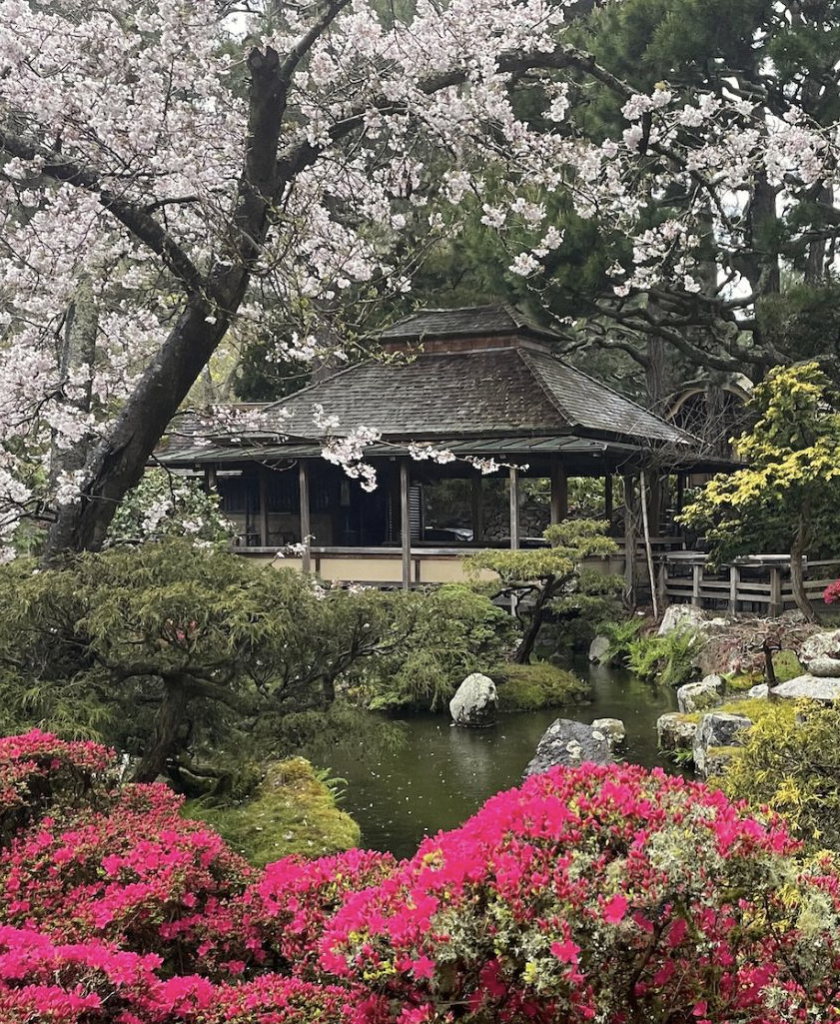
775	592
263	485
305	521
559	492
405	523
514	508
680	492
630	540
696	581
662	583
211	480
734	581
477	512
608	497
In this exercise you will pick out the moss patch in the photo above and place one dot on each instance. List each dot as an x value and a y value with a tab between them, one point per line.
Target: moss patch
531	687
787	666
291	811
758	710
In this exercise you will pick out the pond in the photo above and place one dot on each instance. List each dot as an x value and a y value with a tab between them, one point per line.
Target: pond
433	776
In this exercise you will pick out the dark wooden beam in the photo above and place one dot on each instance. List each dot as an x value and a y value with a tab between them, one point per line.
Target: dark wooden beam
305	520
559	492
514	508
608	497
405	522
263	483
477	511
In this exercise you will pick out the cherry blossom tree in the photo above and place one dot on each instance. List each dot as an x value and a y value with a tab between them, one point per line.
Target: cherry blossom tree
168	175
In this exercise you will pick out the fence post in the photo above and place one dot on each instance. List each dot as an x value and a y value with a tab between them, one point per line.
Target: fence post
696	577
734	581
775	592
663	583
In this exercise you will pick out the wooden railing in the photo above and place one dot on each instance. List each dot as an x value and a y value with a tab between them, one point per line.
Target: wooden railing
760	583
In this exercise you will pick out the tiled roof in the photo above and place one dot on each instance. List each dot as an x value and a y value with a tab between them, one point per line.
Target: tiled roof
466	322
478	393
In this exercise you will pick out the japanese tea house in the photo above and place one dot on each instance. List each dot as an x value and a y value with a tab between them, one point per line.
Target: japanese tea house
480	383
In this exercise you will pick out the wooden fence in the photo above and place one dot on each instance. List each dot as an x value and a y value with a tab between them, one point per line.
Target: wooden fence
758	584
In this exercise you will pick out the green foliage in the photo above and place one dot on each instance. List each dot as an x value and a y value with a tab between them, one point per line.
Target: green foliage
665	659
291	811
165	505
787	666
454	631
791	481
621	635
791	763
537	578
536	686
187	656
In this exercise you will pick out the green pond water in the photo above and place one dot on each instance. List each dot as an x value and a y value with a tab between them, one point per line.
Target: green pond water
432	776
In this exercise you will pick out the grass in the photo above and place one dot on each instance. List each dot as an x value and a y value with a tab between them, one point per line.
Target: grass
292	811
532	687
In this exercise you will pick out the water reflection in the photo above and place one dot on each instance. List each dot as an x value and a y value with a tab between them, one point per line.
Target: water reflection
433	776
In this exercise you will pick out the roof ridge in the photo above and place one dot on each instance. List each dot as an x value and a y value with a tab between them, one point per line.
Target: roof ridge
527	357
318	383
618	394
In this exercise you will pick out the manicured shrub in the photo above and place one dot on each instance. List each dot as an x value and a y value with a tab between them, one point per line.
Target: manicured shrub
791	763
609	894
291	810
540	685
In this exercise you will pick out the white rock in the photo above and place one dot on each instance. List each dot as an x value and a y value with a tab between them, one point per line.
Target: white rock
718	729
824	667
813	687
681	616
475	702
759	692
674	732
612	728
820	645
598	650
700	696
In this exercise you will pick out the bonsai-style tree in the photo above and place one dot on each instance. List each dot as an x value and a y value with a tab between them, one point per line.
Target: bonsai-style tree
786	496
535	579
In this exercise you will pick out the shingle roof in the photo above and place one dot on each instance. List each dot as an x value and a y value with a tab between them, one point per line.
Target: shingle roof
470	394
465	322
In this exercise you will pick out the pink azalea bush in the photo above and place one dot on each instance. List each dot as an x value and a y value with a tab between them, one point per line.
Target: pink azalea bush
606	894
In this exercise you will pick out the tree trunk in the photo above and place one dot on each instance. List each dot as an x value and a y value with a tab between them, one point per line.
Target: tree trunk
797	579
532	631
648	546
164	740
116	464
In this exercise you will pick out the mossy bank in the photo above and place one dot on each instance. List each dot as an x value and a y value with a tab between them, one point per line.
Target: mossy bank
292	811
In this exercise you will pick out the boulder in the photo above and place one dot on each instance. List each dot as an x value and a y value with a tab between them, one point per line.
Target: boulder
818	646
812	687
598	650
612	728
475	702
824	667
700	696
759	692
569	744
675	732
717	729
681	616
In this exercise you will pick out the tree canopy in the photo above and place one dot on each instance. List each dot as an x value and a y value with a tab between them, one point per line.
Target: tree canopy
787	495
179	173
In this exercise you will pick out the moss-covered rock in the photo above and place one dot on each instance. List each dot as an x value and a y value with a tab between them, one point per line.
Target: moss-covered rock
290	811
542	685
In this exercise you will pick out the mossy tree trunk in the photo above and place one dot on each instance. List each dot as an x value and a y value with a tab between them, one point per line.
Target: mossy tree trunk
164	741
535	621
